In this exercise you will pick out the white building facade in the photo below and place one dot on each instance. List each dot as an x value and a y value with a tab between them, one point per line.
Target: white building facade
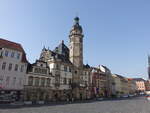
13	65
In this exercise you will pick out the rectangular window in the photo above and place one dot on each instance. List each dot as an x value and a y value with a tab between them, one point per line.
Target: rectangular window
37	81
1	79
12	54
7	80
18	55
6	53
14	80
57	66
22	68
48	82
39	70
16	67
3	65
69	69
65	68
65	81
44	71
1	54
30	81
20	81
10	67
42	81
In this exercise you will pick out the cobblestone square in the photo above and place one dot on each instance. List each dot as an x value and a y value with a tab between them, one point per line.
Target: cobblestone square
134	105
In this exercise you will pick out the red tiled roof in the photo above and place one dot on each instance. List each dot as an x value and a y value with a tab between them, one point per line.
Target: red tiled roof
10	45
13	45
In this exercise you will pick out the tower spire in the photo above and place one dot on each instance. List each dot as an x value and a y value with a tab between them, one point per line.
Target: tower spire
76	19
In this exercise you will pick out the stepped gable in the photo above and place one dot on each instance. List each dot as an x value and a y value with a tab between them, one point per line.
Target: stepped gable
62	49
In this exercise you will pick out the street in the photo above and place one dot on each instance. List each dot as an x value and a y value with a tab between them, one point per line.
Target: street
130	105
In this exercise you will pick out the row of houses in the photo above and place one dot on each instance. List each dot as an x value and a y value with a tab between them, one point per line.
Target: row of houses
57	75
52	77
130	86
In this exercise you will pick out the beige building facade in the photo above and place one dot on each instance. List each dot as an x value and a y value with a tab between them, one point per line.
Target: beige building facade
121	85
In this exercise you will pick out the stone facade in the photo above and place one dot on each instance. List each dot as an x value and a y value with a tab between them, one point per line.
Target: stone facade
81	75
76	44
61	68
39	84
121	85
132	86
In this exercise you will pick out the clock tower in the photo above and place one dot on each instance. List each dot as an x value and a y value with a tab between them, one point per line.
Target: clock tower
76	44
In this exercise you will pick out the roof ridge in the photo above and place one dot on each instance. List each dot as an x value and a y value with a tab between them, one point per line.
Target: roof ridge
9	41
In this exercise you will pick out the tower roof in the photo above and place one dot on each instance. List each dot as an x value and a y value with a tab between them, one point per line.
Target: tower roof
76	25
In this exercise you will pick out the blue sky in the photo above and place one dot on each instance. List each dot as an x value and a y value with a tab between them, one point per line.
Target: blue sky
117	32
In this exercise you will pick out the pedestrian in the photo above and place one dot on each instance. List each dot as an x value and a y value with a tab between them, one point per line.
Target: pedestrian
72	99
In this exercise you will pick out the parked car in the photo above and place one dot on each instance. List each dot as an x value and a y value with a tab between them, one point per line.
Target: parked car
131	95
125	96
